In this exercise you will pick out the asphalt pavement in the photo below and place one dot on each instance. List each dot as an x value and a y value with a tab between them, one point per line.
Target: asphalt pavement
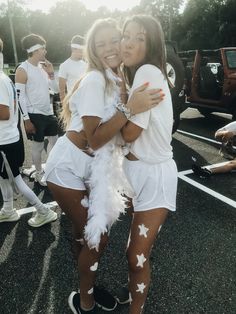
193	260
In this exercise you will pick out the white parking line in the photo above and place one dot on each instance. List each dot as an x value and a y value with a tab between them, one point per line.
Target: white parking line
182	176
31	209
198	136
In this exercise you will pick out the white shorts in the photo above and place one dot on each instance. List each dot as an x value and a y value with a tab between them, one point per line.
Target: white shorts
154	186
67	165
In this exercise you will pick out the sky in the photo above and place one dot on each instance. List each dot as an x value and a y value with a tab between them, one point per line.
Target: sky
44	5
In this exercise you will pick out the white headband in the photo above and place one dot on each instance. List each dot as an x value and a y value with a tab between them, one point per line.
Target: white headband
77	46
35	47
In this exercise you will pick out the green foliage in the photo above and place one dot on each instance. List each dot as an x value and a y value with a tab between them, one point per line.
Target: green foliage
203	24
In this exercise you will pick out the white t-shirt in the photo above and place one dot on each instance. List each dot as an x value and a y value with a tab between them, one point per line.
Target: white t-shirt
231	127
37	89
72	71
153	145
9	132
88	100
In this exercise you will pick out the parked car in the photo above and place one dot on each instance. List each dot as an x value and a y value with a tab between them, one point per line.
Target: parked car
210	80
175	72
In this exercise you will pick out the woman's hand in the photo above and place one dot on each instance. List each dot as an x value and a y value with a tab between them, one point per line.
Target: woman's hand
142	99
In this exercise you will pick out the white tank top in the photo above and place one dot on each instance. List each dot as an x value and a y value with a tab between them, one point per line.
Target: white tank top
37	89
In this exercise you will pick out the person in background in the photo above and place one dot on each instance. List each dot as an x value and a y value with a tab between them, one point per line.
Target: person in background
71	70
33	79
12	158
225	135
149	165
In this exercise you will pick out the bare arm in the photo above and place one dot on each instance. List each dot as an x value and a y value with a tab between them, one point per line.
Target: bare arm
4	112
130	132
21	80
99	134
62	88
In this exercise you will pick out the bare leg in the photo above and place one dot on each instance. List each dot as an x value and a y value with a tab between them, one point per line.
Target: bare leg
144	229
70	202
228	167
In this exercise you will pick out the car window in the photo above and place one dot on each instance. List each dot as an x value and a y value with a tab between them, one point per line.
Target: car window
231	58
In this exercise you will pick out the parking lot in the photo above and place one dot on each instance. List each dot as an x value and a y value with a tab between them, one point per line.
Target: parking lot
193	260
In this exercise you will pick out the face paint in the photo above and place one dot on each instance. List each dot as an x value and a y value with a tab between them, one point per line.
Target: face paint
141	260
143	230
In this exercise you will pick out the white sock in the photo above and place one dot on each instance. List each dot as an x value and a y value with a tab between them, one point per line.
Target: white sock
37	149
7	194
31	197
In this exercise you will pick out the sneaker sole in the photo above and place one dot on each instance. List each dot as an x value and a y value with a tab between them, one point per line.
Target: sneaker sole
43	223
105	308
71	305
10	220
121	302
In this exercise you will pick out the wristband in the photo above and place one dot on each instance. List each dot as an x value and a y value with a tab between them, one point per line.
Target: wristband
126	111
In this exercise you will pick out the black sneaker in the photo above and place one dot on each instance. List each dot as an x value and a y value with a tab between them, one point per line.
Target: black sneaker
201	172
74	304
104	299
122	295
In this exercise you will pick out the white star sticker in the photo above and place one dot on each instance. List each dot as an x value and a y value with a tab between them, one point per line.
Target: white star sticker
141	260
90	291
143	230
130	298
94	267
128	241
141	287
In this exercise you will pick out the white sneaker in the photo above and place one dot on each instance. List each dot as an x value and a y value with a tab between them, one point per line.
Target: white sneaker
41	219
38	175
9	216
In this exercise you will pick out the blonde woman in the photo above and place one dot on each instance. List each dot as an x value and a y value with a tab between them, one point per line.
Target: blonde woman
82	159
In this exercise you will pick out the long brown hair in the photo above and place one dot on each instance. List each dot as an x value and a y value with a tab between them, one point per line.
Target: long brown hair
94	63
155	50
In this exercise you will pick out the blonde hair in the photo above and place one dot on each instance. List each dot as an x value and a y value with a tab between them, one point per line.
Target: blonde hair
94	63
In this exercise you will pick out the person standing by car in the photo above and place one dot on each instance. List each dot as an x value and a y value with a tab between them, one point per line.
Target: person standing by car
33	79
12	158
71	70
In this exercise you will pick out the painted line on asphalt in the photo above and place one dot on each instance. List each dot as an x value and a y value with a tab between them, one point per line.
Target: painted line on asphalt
183	176
201	137
32	209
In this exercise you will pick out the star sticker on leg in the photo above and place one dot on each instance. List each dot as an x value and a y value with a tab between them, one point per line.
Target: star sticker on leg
143	230
141	287
128	243
141	260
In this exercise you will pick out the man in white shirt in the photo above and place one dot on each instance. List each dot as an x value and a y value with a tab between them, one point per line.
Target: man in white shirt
12	158
33	79
71	70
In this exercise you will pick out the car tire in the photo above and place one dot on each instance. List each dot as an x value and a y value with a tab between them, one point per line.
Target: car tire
175	73
205	112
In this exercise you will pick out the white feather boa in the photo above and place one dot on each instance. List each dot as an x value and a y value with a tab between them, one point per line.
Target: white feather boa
106	182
